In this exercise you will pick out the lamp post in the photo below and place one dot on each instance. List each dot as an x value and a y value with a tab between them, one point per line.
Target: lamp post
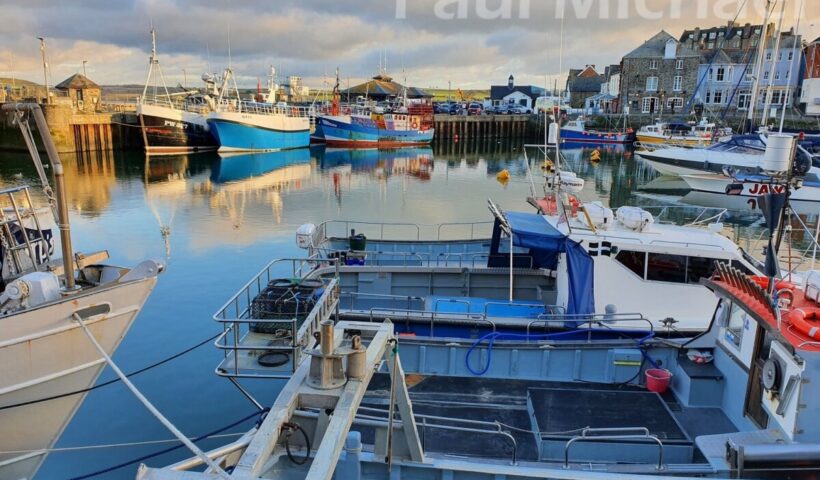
84	62
45	66
449	89
184	79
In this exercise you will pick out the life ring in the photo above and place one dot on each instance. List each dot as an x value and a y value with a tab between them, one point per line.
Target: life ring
415	124
805	322
294	112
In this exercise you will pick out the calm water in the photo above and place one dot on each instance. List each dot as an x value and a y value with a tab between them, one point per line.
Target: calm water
228	217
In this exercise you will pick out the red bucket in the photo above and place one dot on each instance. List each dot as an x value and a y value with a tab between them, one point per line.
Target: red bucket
657	379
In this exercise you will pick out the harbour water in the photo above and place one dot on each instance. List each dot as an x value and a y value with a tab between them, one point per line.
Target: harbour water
217	220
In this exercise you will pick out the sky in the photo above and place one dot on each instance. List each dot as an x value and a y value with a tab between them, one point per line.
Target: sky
469	44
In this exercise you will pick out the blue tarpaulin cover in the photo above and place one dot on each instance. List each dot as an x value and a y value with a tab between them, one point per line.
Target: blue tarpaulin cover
545	243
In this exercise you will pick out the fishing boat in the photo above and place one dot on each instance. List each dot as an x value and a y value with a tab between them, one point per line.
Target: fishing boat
481	401
360	126
172	124
59	319
689	135
576	131
250	125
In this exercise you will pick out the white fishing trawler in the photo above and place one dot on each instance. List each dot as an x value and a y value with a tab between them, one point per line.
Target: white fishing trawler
59	319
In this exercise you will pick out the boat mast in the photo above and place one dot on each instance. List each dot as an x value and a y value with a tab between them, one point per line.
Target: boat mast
154	61
795	55
764	36
773	69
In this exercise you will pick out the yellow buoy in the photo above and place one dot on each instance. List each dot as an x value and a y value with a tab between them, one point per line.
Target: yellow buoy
595	156
503	176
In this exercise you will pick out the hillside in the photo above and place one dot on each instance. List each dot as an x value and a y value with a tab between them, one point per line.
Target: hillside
17	82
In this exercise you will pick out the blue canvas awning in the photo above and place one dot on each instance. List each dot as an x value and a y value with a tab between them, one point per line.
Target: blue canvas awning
545	244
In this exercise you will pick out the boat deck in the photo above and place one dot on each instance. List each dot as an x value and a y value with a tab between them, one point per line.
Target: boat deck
543	416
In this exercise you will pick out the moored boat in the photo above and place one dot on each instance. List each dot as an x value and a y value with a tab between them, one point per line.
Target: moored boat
173	124
690	135
242	125
575	131
56	316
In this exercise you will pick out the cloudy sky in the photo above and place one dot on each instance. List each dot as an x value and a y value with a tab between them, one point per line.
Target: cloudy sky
473	43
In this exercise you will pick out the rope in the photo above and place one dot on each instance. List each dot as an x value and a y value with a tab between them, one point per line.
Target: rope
113	380
166	450
147	403
112	445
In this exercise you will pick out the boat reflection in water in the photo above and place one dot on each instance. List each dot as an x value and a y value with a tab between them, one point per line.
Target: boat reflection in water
414	162
236	178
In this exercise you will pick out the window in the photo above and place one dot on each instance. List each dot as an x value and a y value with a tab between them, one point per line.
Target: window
678	84
652	84
711	74
666	268
650	104
712	36
735	324
698	268
730	73
708	96
653	65
780	57
749	75
744	100
679	65
721	74
777	75
718	98
791	56
736	43
674	103
766	75
768	56
788	74
635	261
710	45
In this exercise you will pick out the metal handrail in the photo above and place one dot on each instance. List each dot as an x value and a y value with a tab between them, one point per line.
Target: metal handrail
497	425
585	437
423	314
598	318
323	227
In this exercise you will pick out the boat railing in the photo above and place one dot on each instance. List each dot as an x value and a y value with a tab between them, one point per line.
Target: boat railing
259	108
611	435
687	216
459	425
603	319
292	331
377	313
22	237
383	231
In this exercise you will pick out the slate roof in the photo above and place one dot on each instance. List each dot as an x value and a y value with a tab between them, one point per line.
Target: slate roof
655	47
498	92
383	86
586	85
77	81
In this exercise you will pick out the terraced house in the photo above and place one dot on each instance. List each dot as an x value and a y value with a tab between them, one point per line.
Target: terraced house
659	76
728	67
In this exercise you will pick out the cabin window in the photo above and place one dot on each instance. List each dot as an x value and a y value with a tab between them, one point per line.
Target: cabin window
666	268
699	267
735	324
635	261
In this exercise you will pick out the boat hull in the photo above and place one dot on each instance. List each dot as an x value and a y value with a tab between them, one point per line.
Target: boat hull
341	132
717	184
574	136
688	142
170	131
237	131
44	352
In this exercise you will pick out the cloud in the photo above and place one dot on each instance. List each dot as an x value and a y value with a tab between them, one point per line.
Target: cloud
473	43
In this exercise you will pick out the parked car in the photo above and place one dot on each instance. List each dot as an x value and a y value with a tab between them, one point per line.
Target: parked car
502	109
519	110
475	109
